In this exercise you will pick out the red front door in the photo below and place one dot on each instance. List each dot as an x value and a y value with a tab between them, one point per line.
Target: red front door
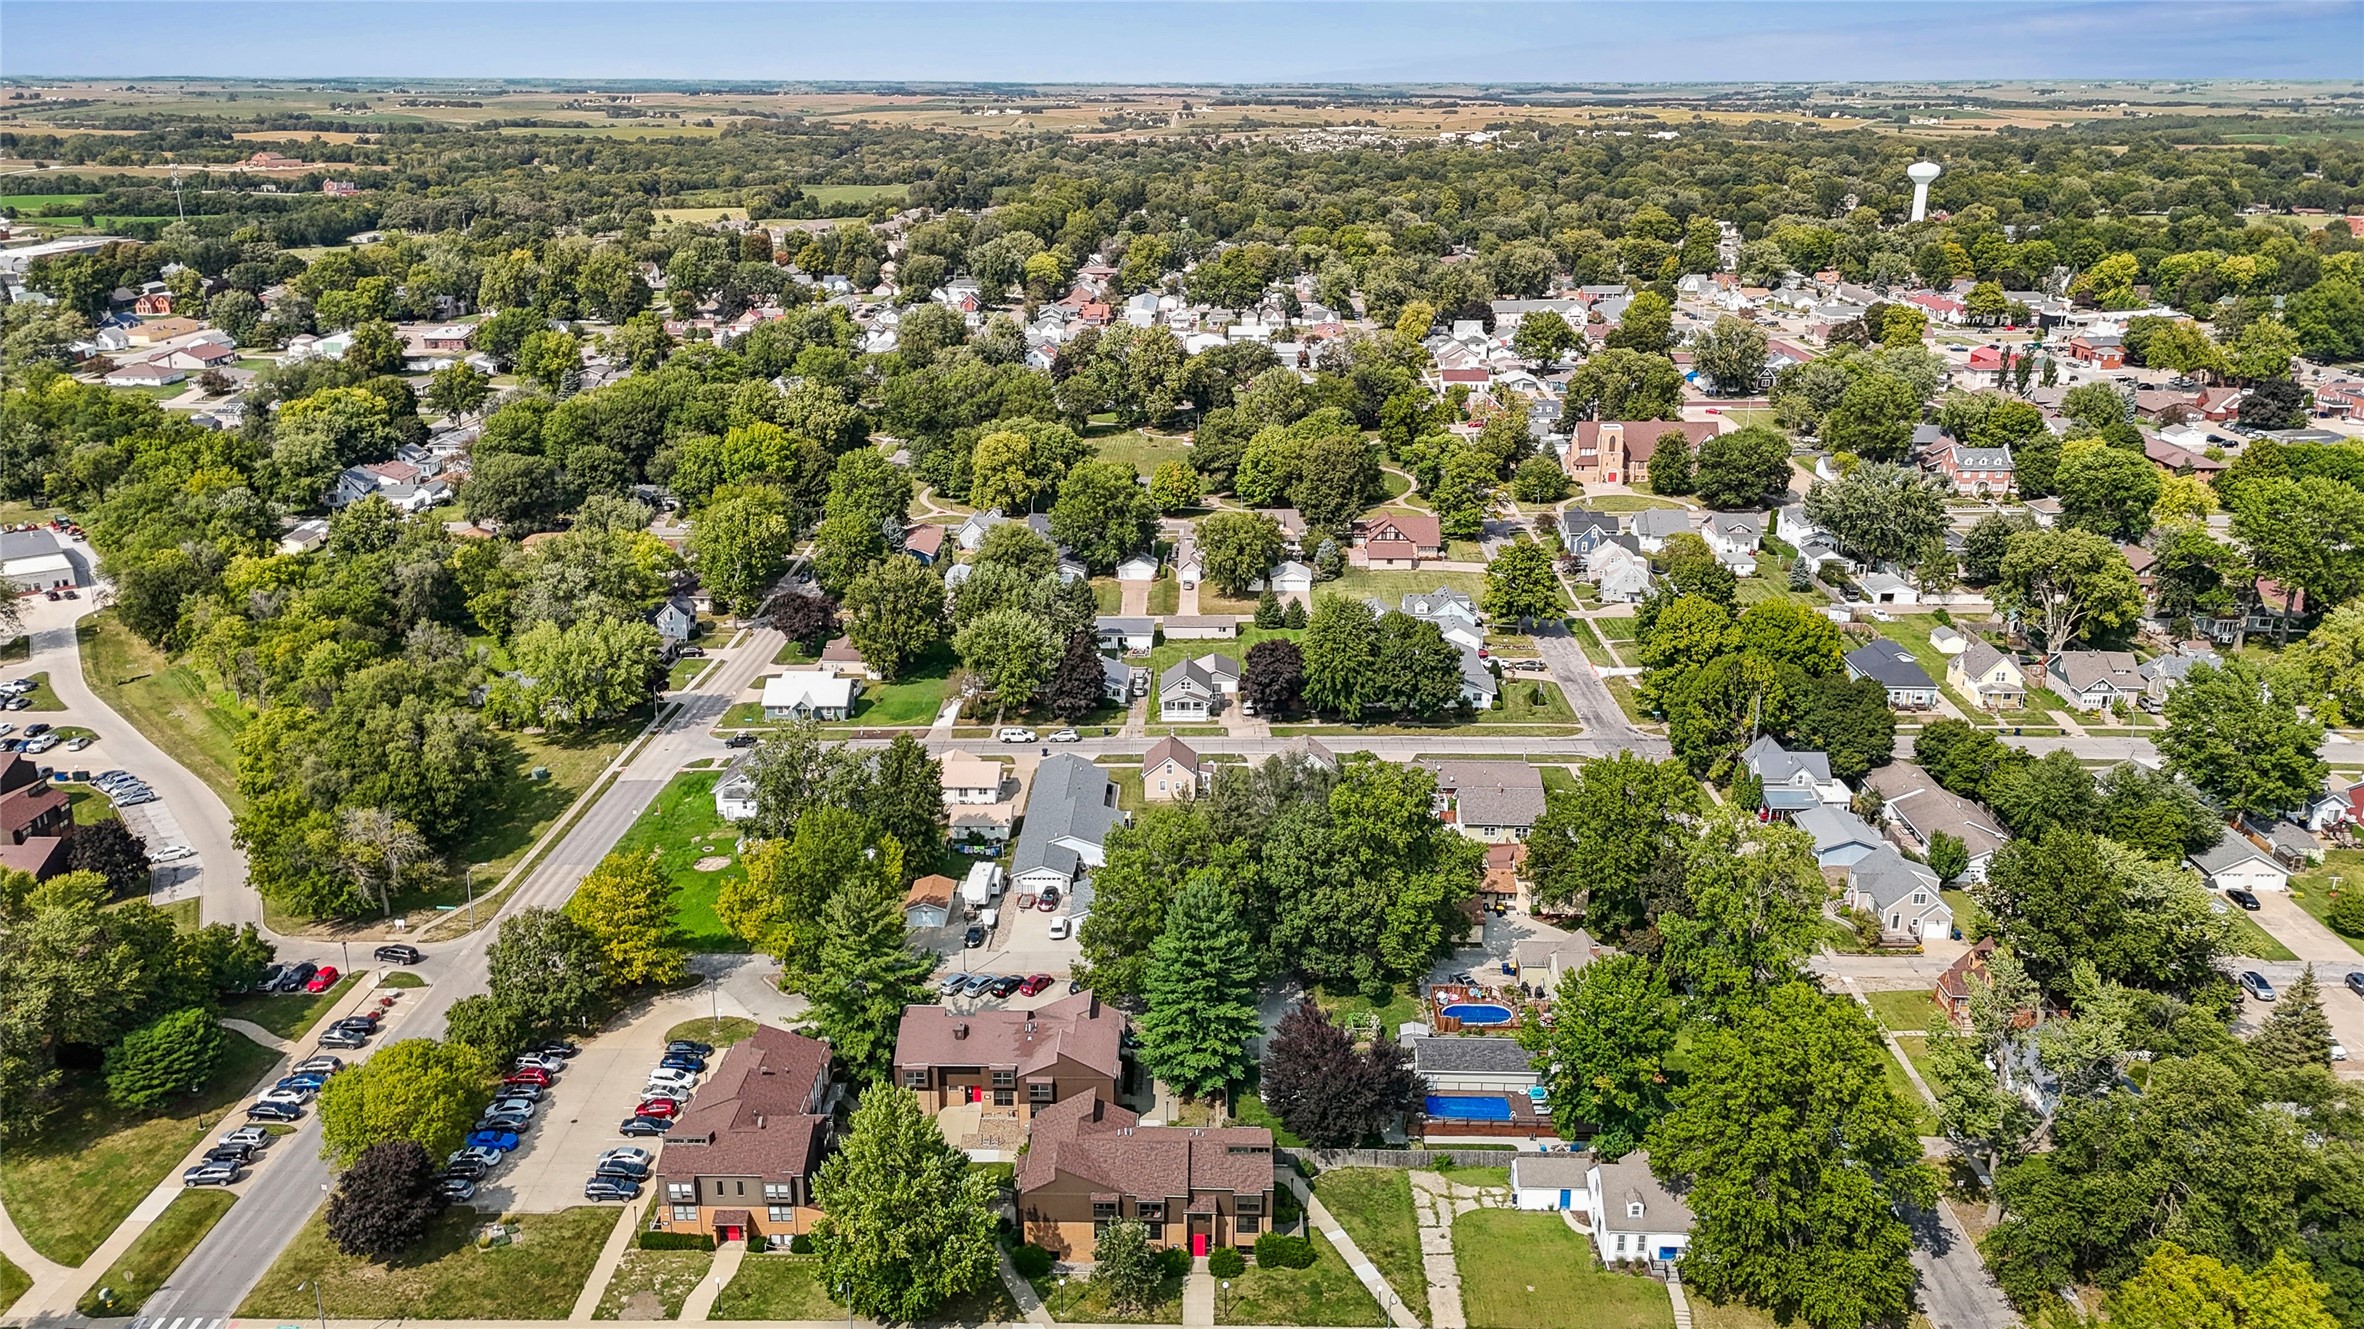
731	1234
976	1093
1198	1244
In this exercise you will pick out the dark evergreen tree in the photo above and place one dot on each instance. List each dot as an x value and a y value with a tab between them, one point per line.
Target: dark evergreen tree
1080	684
385	1202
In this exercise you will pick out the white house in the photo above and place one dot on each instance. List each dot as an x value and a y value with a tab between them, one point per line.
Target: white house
734	793
809	694
1653	526
1069	813
1132	636
1288	578
1633	1217
1883	588
1479	687
1140	567
1195	689
972	780
1792	781
1622	574
1552	1183
2235	864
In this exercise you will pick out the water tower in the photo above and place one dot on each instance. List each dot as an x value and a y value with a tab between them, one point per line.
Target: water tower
1921	173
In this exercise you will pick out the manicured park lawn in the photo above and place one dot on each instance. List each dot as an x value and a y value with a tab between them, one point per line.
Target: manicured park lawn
1080	1300
536	1277
167	702
70	1185
720	1033
42	697
1143	452
155	1253
1909	1011
681	827
668	1275
1325	1293
1519	1270
1374	1205
777	1287
288	1014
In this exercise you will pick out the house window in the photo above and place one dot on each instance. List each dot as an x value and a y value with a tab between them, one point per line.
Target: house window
777	1193
685	1213
915	1079
781	1213
1004	1079
1004	1097
1633	1209
681	1190
1920	897
1150	1211
1250	1223
1041	1091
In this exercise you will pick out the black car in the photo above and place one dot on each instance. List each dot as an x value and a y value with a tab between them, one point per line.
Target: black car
505	1121
398	953
619	1168
354	1024
1006	985
343	1038
689	652
555	1047
644	1126
467	1169
295	978
974	937
230	1153
2242	898
273	1112
739	741
684	1061
611	1188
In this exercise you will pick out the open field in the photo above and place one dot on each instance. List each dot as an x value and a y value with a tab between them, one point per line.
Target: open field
446	1277
680	827
1524	1269
167	702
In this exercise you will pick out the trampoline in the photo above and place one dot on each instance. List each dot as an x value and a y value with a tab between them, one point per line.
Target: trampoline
1469	1107
1478	1012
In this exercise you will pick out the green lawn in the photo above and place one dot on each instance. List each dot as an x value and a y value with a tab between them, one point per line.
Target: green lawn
523	808
720	1033
1167	654
1107	596
680	827
155	1253
13	1283
1530	701
666	1275
1080	1300
1250	1111
777	1287
683	671
1400	1008
1626	502
1165	596
536	1277
402	978
1911	631
1557	779
1520	1270
1143	452
1916	1051
288	1014
1909	1011
74	1181
1968	917
167	702
1925	1120
42	697
2312	889
906	701
1615	628
1374	1205
1324	1293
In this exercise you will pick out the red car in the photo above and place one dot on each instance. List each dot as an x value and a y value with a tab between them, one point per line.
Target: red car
529	1075
1034	983
662	1108
324	980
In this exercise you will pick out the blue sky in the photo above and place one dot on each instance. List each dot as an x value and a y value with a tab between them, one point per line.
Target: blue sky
1191	40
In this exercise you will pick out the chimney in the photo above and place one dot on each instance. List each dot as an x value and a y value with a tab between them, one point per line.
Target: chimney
759	1121
1093	1008
960	1030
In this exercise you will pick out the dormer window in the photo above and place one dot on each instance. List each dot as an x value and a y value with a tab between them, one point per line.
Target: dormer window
1633	1209
1920	897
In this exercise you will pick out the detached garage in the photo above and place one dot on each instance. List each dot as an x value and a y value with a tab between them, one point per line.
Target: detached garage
1552	1182
2235	864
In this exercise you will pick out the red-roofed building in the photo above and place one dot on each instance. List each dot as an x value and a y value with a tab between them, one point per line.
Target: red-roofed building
739	1164
2101	350
1392	541
30	806
1618	451
1089	1163
1940	308
1095	315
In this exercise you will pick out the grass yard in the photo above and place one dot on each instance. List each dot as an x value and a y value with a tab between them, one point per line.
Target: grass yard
1925	1121
776	1287
683	672
2312	889
1916	1051
1907	1012
1626	502
167	702
523	808
1325	1293
1165	596
1107	596
288	1014
828	194
535	1277
155	1253
14	1282
70	1185
665	1276
1620	627
1400	1008
42	697
681	827
1250	1111
719	1033
1968	917
1628	700
1519	1270
1080	1300
1530	701
1374	1205
1911	631
1557	779
1143	452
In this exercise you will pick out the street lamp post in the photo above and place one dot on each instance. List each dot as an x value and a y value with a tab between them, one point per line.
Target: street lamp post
1226	1310
317	1302
846	1290
469	877
348	955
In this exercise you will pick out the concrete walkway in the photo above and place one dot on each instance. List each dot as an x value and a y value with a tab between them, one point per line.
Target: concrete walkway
1198	1297
20	1253
1022	1292
259	1035
1674	1293
1436	1202
610	1255
699	1304
1319	1216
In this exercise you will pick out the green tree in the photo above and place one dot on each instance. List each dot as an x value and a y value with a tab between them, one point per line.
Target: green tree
1103	515
1878	512
1010	651
588	671
1949	858
1125	1267
459	389
894	614
2072	898
740	544
1600	841
549	358
1539	480
2240	742
868	973
1604	1056
162	1060
2296	1033
1543	337
906	1224
780	905
2107	490
1874	418
1619	384
1743	468
1646	326
1796	1158
1174	486
1237	549
626	905
549	967
1341	649
1673	469
2066	584
1732	354
1521	586
416	1089
1201	995
2179	1290
1754	898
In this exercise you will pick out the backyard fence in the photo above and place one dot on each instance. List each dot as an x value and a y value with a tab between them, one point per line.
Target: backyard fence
1423	1159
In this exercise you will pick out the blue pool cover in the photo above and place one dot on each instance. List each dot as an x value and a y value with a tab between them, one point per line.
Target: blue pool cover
1469	1107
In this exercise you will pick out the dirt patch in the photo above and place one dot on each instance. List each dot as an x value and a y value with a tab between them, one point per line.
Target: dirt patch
712	863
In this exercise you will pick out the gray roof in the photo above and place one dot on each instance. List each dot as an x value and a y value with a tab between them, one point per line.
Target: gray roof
1444	601
1924	806
1981	459
1491	793
1889	665
1551	1172
1978	657
1199	672
2083	670
1475	674
2174	667
1130	627
1071	800
1748	525
28	544
2228	853
1775	764
1889	877
1115	673
1573	521
1661	521
1462	1055
1629	1179
1832	827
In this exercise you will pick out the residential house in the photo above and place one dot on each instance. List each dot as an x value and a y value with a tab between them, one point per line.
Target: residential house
1470	1064
978	799
1886	588
1068	814
2234	863
1541	961
1200	627
1121	682
2162	674
1490	801
1735	537
146	374
1399	541
1622	575
1308	754
1988	677
1170	770
1893	667
1920	808
200	355
1018	1061
809	694
734	793
1140	567
674	620
1954	986
1976	471
1090	1163
1902	894
1583	530
1442	606
1653	527
1792	781
304	536
841	656
1619	451
1841	839
928	904
1287	578
2095	680
39	856
971	532
1292	527
1131	636
1479	687
1552	1183
1195	689
739	1163
924	543
1633	1216
2101	350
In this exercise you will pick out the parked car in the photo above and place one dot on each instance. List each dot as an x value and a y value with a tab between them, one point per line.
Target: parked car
295	978
398	953
480	1154
529	1075
2339	1050
512	1123
952	985
358	1024
323	980
343	1039
1062	927
640	1125
611	1188
690	1045
1065	736
134	800
689	652
308	1083
252	1136
318	1066
78	742
621	1170
531	1093
273	1112
628	1154
2355	982
1034	983
671	1077
978	984
294	1098
684	1061
1006	985
504	1141
664	1109
172	853
1048	901
2255	984
739	741
269	982
212	1174
510	1104
465	1167
2242	898
1016	735
554	1047
36	730
457	1188
974	937
237	1155
540	1060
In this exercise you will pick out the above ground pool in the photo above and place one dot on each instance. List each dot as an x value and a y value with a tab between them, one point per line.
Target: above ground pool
1469	1107
1478	1012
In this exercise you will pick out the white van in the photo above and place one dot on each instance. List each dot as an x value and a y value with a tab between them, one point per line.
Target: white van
1015	735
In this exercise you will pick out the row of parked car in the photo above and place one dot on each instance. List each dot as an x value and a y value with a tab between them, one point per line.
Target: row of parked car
667	1092
283	1102
506	1118
999	985
17	694
124	788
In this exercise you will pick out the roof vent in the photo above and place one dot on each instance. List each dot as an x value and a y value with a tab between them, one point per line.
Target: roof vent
960	1030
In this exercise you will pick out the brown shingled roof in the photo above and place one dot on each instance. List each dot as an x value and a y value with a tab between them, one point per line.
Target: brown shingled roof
758	1115
1077	1028
1100	1143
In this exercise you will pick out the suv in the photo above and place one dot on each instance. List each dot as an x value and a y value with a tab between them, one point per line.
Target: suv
611	1188
1015	735
398	953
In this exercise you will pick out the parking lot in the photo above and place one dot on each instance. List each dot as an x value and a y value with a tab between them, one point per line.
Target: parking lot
1020	944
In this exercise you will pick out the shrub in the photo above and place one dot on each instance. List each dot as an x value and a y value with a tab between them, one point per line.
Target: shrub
1174	1262
1275	1251
164	1059
800	1244
1031	1261
2346	915
677	1241
1227	1262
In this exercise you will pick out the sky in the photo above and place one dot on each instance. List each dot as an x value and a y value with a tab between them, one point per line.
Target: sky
1099	41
